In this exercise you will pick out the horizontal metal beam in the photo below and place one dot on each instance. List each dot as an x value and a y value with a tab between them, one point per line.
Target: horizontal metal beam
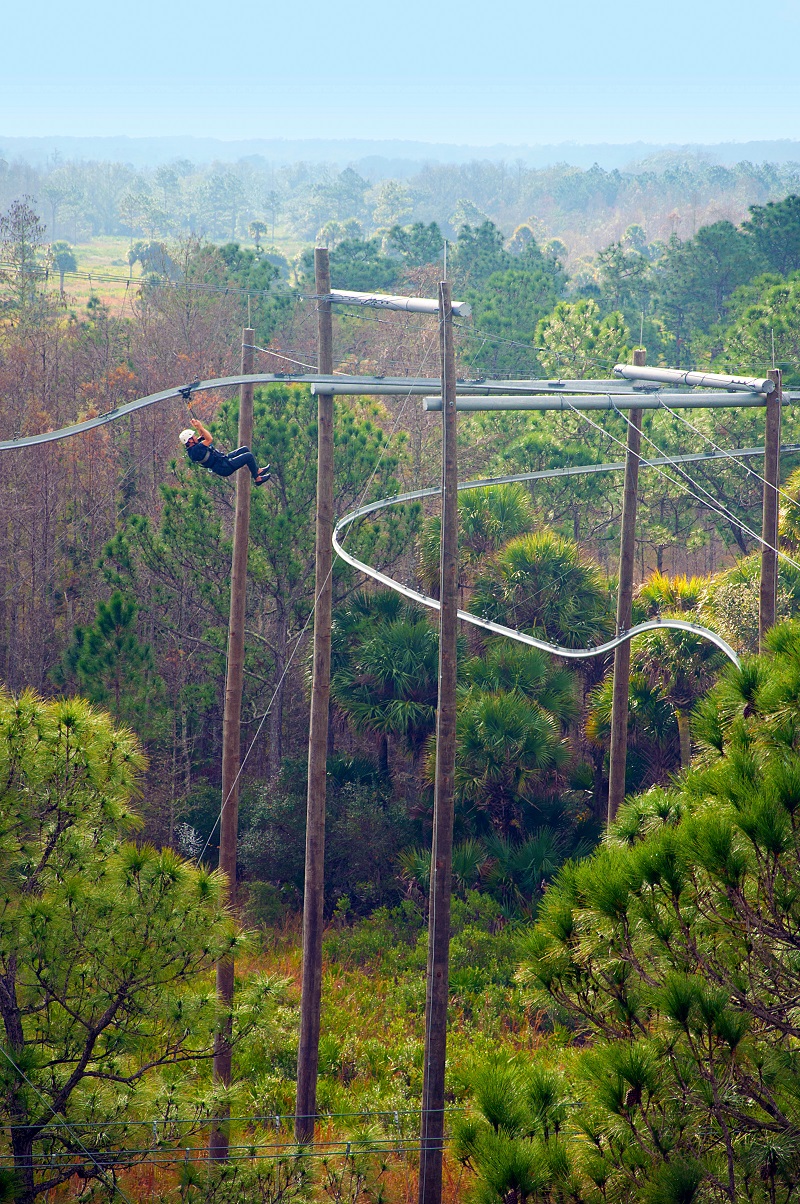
676	376
605	401
410	305
315	380
378	386
369	385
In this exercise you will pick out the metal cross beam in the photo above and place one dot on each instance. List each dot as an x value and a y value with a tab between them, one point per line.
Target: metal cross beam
606	401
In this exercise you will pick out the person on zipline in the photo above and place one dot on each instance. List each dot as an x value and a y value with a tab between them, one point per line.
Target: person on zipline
200	448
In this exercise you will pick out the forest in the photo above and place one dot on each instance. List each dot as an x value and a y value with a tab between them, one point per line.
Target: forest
623	1024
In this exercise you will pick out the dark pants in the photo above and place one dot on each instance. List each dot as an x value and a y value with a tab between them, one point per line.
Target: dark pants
241	458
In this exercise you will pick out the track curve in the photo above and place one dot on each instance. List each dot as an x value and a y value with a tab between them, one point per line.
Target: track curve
221	382
414	595
510	632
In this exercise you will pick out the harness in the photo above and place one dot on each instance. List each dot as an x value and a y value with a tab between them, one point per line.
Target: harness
186	394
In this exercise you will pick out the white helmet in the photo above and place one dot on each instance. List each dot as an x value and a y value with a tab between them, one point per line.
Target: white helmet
186	435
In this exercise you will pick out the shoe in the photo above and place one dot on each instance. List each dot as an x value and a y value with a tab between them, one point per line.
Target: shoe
263	476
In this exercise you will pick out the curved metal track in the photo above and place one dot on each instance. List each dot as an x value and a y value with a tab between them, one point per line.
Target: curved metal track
341	382
221	382
487	624
510	632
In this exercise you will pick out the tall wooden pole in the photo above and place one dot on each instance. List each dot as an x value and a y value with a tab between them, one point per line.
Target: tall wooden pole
768	596
231	735
438	977
622	656
314	897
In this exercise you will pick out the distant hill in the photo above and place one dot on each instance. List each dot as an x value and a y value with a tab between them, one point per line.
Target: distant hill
379	159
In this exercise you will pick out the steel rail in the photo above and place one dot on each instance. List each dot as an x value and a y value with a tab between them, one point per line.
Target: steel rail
397	384
510	632
355	385
318	379
602	401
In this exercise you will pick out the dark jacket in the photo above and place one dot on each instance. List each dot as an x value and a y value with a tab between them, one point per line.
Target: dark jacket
209	457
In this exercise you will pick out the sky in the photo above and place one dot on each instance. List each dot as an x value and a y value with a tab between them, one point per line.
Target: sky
518	72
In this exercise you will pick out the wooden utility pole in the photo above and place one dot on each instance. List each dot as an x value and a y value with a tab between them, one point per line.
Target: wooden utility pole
622	656
768	596
314	896
231	735
438	978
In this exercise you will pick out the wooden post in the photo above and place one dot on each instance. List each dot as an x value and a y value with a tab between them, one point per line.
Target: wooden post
231	735
314	897
622	656
768	596
438	977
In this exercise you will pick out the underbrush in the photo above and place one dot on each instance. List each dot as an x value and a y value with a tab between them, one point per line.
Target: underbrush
373	1010
370	1064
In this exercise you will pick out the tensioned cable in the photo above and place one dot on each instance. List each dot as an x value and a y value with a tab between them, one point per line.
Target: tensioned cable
711	503
279	355
101	1170
707	439
311	614
474	332
192	1154
221	382
153	282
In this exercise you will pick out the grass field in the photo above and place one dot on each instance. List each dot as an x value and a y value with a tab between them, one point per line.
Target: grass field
102	257
107	256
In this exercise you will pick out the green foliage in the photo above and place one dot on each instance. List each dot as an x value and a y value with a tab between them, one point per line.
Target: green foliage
417	244
355	1176
697	279
63	259
267	1180
385	670
478	253
672	951
653	747
104	944
112	668
730	600
625	278
357	264
763	327
487	519
577	341
670	672
510	302
510	1138
775	229
21	253
509	754
543	583
365	829
532	674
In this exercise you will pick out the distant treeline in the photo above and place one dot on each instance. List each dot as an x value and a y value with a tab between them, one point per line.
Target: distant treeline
588	209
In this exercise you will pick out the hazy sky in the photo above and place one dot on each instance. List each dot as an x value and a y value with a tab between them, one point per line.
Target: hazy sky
512	71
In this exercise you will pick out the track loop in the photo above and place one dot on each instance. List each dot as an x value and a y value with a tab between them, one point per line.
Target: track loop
498	628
